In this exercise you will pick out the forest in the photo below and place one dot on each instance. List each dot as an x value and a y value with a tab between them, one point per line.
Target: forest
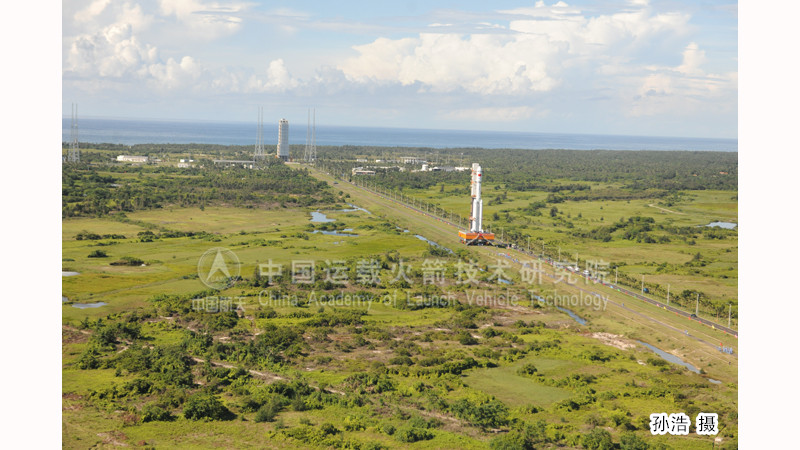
97	191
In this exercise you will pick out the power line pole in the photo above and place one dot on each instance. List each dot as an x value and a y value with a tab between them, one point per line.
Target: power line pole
697	305
729	314
667	294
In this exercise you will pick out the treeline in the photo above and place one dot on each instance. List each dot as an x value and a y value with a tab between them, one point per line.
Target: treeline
547	170
85	191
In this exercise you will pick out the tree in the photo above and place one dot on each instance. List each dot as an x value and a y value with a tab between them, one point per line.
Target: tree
598	439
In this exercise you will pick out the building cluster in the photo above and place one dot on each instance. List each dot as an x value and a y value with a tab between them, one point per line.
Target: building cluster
132	158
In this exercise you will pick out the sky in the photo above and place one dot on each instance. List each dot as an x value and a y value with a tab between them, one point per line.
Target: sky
635	67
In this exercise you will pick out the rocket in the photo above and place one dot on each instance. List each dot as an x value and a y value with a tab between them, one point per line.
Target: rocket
475	234
476	218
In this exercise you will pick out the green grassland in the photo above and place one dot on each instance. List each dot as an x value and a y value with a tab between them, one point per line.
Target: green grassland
98	412
149	369
663	264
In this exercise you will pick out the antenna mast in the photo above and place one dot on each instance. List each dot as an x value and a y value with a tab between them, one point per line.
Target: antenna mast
314	138
74	154
310	153
259	156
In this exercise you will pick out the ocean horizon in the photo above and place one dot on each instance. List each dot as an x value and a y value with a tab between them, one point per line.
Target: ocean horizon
132	132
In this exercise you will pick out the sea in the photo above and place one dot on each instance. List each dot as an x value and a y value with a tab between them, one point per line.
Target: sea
131	132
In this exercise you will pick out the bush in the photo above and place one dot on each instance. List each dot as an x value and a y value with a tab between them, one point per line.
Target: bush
205	406
464	338
266	413
153	413
527	369
598	439
490	414
630	441
128	261
98	254
410	434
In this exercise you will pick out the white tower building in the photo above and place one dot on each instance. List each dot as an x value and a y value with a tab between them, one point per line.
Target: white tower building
283	139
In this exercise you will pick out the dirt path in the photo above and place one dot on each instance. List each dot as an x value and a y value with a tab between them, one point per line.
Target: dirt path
272	377
666	210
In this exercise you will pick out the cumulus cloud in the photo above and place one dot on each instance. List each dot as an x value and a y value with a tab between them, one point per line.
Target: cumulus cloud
480	63
278	79
543	42
693	58
91	11
686	87
112	52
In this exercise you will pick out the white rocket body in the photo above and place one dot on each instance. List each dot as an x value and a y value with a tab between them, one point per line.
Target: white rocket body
476	221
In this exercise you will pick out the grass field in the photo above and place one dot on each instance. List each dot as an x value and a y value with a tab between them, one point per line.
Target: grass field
413	351
663	265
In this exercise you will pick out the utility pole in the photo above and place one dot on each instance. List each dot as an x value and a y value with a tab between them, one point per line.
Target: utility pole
642	284
697	305
529	244
667	294
729	315
616	274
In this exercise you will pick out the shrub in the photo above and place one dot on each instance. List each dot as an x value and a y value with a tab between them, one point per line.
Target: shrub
128	261
527	369
598	439
630	441
266	413
410	434
153	413
98	254
205	406
490	414
464	338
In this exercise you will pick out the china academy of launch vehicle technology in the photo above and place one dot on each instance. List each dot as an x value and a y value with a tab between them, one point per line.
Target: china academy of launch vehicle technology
475	235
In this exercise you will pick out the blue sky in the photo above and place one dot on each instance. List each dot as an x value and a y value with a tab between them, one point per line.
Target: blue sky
667	68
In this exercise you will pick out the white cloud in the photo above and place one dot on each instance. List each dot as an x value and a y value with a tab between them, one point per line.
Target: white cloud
686	88
480	63
173	74
533	57
205	20
278	79
91	11
693	58
112	52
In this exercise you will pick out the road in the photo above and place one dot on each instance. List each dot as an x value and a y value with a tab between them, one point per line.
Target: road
444	232
555	266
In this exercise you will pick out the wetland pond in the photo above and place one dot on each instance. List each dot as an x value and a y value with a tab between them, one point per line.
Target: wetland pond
88	305
670	357
569	312
726	225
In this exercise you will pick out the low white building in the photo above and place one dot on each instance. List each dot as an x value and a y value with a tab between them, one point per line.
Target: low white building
132	158
362	171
